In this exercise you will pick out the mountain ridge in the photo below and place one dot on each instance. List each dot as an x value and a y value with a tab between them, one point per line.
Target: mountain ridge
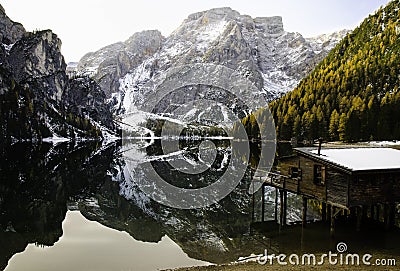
275	60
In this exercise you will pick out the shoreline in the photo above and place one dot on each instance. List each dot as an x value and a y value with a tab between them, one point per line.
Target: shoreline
254	266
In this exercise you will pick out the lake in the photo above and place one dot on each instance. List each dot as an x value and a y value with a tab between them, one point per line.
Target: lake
82	206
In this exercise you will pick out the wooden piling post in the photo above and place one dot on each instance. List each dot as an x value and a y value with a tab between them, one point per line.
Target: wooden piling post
262	202
392	215
284	207
332	224
323	212
304	217
359	214
389	215
364	212
378	215
253	203
276	204
386	216
329	212
281	207
372	212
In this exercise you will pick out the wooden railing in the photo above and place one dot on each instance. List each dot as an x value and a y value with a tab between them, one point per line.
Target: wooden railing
280	181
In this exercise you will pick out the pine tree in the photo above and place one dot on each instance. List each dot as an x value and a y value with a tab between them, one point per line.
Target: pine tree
334	125
342	127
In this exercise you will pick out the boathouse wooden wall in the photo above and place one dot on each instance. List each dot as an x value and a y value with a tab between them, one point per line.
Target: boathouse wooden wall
286	163
337	186
374	188
307	185
335	189
285	168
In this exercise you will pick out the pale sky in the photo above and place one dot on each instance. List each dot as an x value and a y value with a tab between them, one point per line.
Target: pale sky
87	25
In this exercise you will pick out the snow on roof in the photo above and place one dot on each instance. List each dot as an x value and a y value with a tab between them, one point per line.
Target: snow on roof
358	159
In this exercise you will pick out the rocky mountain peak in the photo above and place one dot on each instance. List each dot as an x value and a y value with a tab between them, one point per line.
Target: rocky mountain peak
143	39
112	62
223	16
10	31
144	42
259	48
272	24
327	41
38	55
215	14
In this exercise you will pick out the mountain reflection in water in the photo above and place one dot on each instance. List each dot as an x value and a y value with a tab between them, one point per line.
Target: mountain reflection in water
89	244
118	227
39	183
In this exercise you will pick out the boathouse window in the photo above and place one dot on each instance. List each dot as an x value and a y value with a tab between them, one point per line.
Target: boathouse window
319	174
294	172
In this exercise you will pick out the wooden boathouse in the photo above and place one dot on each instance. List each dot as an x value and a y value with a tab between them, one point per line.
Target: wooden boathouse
359	181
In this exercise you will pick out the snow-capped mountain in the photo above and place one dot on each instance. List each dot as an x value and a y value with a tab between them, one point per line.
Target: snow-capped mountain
273	59
326	42
114	61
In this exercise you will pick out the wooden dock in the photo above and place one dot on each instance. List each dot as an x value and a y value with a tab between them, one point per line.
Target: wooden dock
282	184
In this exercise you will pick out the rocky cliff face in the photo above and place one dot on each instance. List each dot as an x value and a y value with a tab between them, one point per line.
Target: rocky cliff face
85	97
259	48
38	97
37	60
10	31
113	62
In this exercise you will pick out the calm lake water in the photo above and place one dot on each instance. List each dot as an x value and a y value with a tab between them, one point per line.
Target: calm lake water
78	206
89	245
